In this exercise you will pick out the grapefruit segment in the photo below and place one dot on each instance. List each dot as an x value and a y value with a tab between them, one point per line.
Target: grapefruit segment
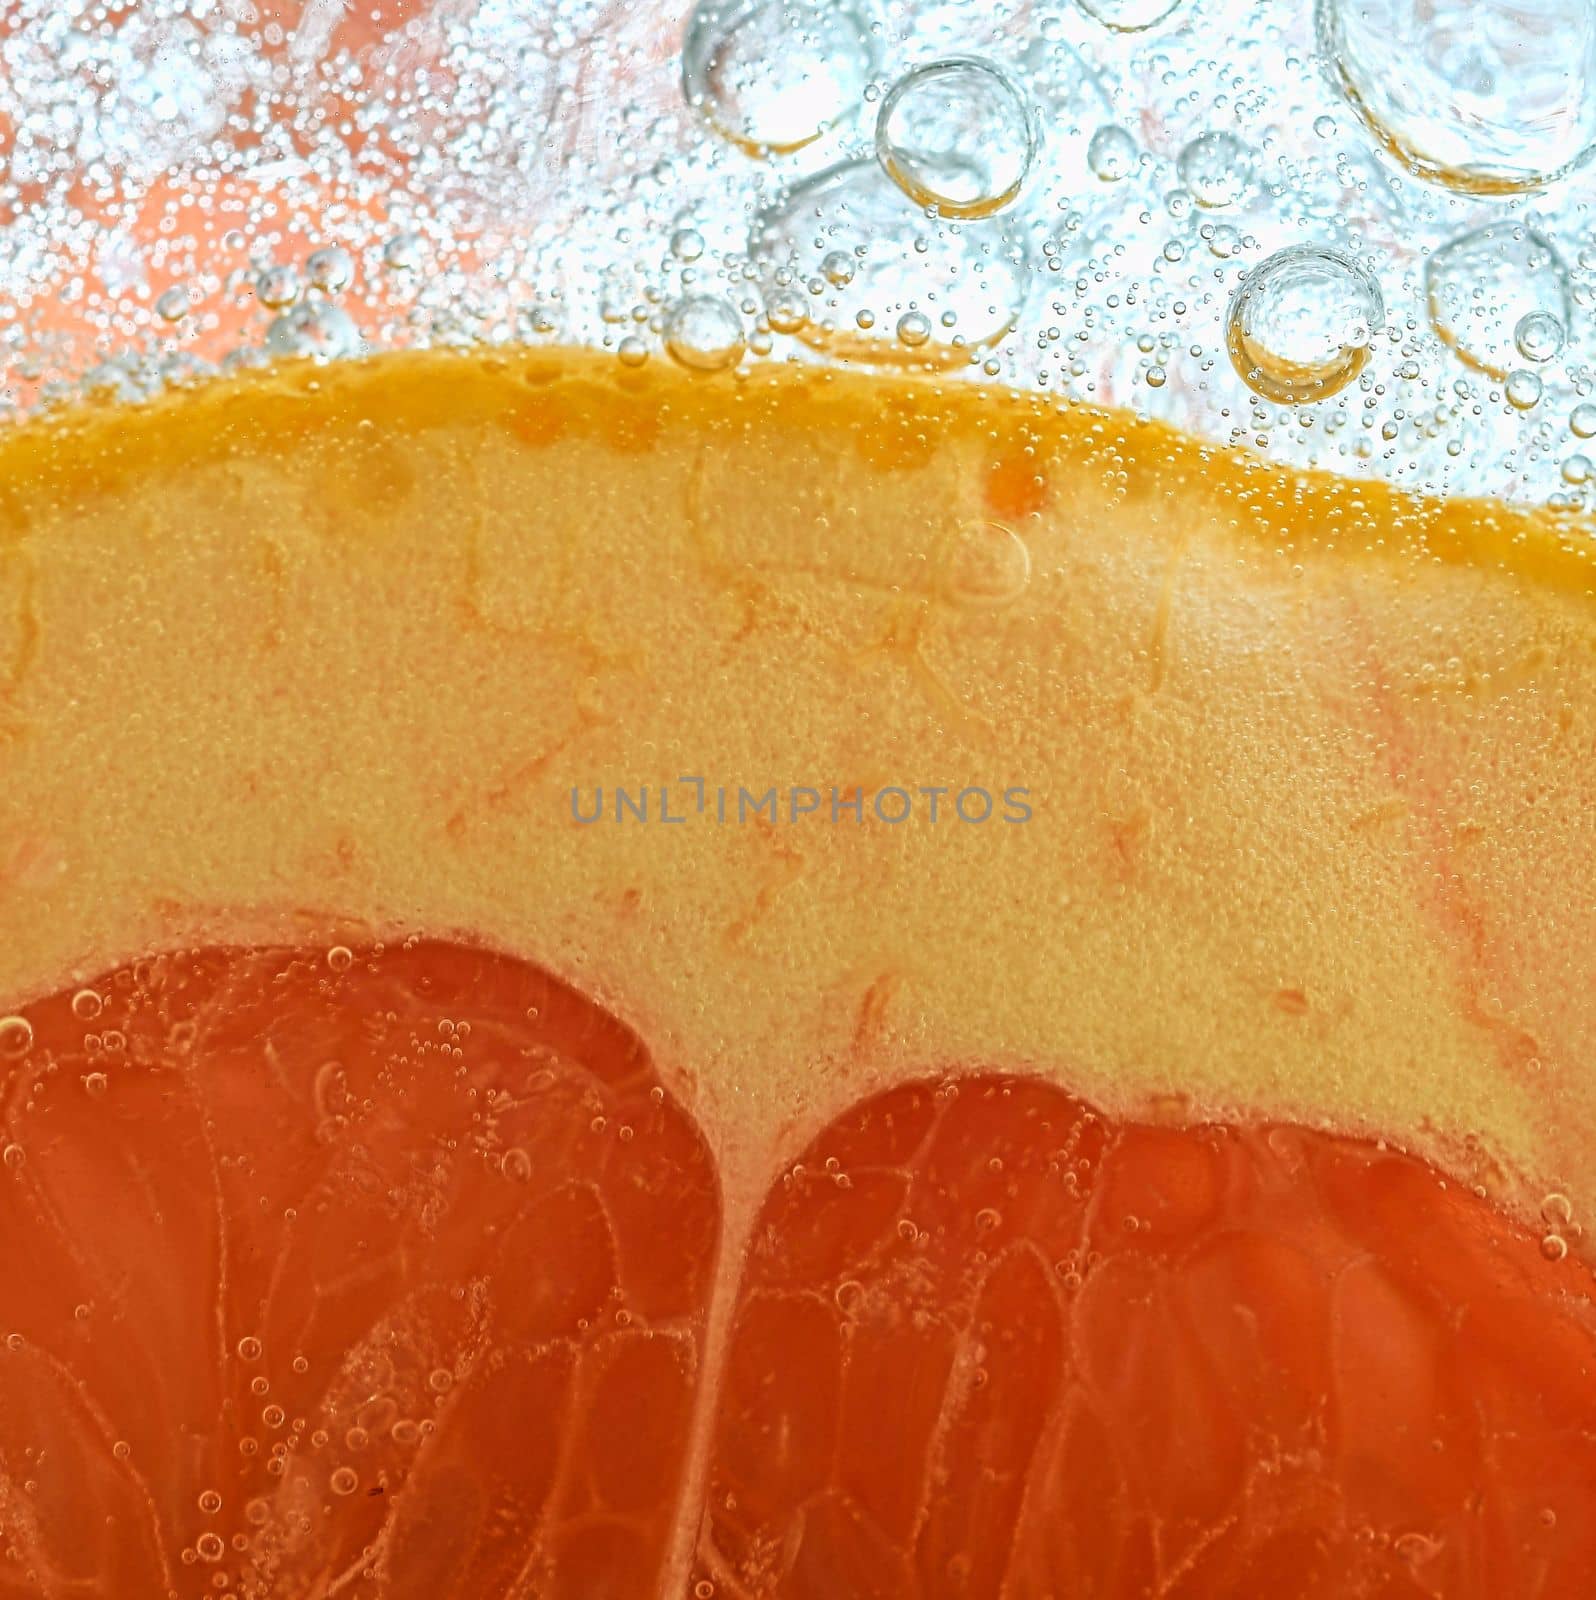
371	1273
1078	1357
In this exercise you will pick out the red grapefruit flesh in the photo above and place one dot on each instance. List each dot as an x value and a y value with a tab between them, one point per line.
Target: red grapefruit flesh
358	1274
987	1343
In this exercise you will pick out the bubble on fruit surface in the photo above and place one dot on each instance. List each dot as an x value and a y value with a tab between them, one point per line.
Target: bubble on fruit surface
1112	154
774	75
959	135
1481	288
1216	169
16	1037
988	565
1300	326
968	279
1130	16
704	333
1481	96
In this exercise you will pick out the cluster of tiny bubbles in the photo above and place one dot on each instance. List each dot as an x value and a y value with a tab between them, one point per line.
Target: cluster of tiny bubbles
1301	324
311	328
958	135
774	75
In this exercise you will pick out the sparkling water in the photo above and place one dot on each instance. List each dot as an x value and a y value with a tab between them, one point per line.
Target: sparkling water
1352	233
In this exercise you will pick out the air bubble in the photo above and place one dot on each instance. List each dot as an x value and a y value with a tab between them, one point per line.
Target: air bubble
632	351
1523	389
1539	336
988	565
210	1502
16	1037
774	75
914	329
209	1547
277	287
249	1348
837	269
87	1005
1577	470
1554	1247
330	269
786	310
704	334
1223	241
1216	169
959	135
1582	420
340	958
95	1084
344	1480
970	279
1484	284
517	1165
1481	96
1300	325
687	244
1129	16
172	305
1112	154
402	253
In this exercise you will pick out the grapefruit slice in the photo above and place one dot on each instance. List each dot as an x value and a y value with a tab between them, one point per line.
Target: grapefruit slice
338	1274
987	1343
793	737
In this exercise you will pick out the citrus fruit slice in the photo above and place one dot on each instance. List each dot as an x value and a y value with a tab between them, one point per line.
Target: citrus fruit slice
790	737
988	1343
343	1273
